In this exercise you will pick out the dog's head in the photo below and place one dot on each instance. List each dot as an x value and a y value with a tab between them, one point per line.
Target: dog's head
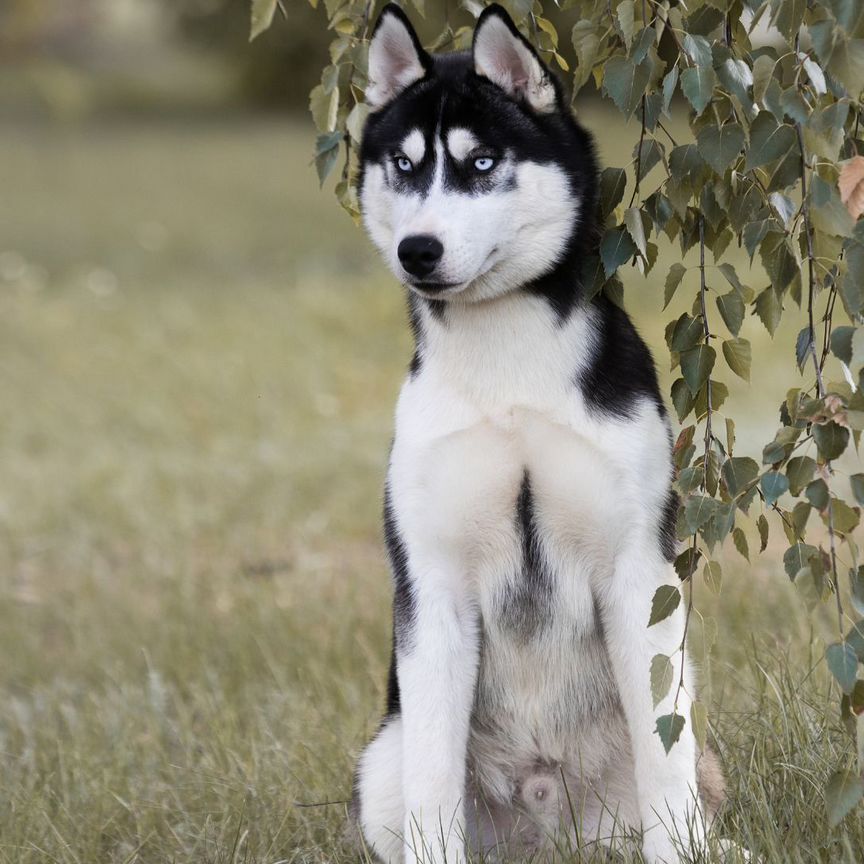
476	180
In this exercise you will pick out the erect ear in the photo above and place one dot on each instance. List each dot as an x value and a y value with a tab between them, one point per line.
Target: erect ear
507	59
396	58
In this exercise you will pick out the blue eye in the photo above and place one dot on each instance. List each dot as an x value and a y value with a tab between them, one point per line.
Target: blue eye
484	163
404	164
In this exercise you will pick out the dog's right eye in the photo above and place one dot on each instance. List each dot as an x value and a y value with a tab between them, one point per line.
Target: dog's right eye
404	164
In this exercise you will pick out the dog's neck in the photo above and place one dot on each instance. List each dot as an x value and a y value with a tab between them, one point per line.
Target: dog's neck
513	349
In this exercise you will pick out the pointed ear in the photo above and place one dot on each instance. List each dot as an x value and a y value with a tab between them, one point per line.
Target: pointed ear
396	58
507	59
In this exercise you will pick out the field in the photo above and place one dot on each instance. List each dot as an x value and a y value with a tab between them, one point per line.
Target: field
198	360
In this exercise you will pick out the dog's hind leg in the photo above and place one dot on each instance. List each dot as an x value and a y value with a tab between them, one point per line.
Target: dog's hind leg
379	805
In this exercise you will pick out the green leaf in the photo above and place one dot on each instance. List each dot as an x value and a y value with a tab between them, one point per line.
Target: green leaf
326	153
697	511
769	309
784	206
649	153
616	248
731	276
852	284
719	394
769	140
856	481
800	514
686	163
857	595
774	484
841	343
762	525
321	107
697	84
753	235
798	556
356	120
739	473
817	494
682	398
787	15
665	602
800	472
855	636
673	280
831	439
823	134
688	332
803	345
262	16
827	211
739	538
633	222
843	663
587	45
704	20
844	790
763	74
720	146
661	677
839	55
816	76
613	182
669	728
698	49
794	105
625	14
844	518
699	722
735	76
774	452
685	563
731	308
696	366
639	51
625	82
669	83
738	355
713	576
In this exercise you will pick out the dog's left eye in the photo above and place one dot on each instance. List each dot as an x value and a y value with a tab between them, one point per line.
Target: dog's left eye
404	164
484	163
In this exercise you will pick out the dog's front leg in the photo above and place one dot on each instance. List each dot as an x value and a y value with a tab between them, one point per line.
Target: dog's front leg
437	669
665	784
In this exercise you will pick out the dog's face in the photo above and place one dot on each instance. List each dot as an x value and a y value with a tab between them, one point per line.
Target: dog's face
473	171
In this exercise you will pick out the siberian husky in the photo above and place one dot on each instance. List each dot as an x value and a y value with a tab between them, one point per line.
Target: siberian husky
528	514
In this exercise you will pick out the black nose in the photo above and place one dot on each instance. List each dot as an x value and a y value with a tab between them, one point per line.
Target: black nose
420	254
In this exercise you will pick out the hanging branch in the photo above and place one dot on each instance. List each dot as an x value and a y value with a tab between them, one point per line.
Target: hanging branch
817	365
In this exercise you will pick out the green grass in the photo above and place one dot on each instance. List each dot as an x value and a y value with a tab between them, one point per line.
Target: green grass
198	360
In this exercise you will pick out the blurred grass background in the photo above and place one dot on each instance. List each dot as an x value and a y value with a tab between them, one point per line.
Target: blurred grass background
199	355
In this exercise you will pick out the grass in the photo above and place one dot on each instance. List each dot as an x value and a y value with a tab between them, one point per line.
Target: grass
198	361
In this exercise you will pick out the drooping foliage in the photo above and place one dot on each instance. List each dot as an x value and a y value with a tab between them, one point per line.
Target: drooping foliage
773	162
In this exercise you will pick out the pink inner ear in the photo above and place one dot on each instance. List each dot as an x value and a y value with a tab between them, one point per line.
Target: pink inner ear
399	52
394	63
502	58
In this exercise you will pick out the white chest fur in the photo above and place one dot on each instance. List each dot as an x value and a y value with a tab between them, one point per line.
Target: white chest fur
496	400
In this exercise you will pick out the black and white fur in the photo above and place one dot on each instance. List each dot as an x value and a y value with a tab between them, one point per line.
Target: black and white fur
529	515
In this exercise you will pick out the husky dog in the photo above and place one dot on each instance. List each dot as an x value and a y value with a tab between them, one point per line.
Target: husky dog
529	515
